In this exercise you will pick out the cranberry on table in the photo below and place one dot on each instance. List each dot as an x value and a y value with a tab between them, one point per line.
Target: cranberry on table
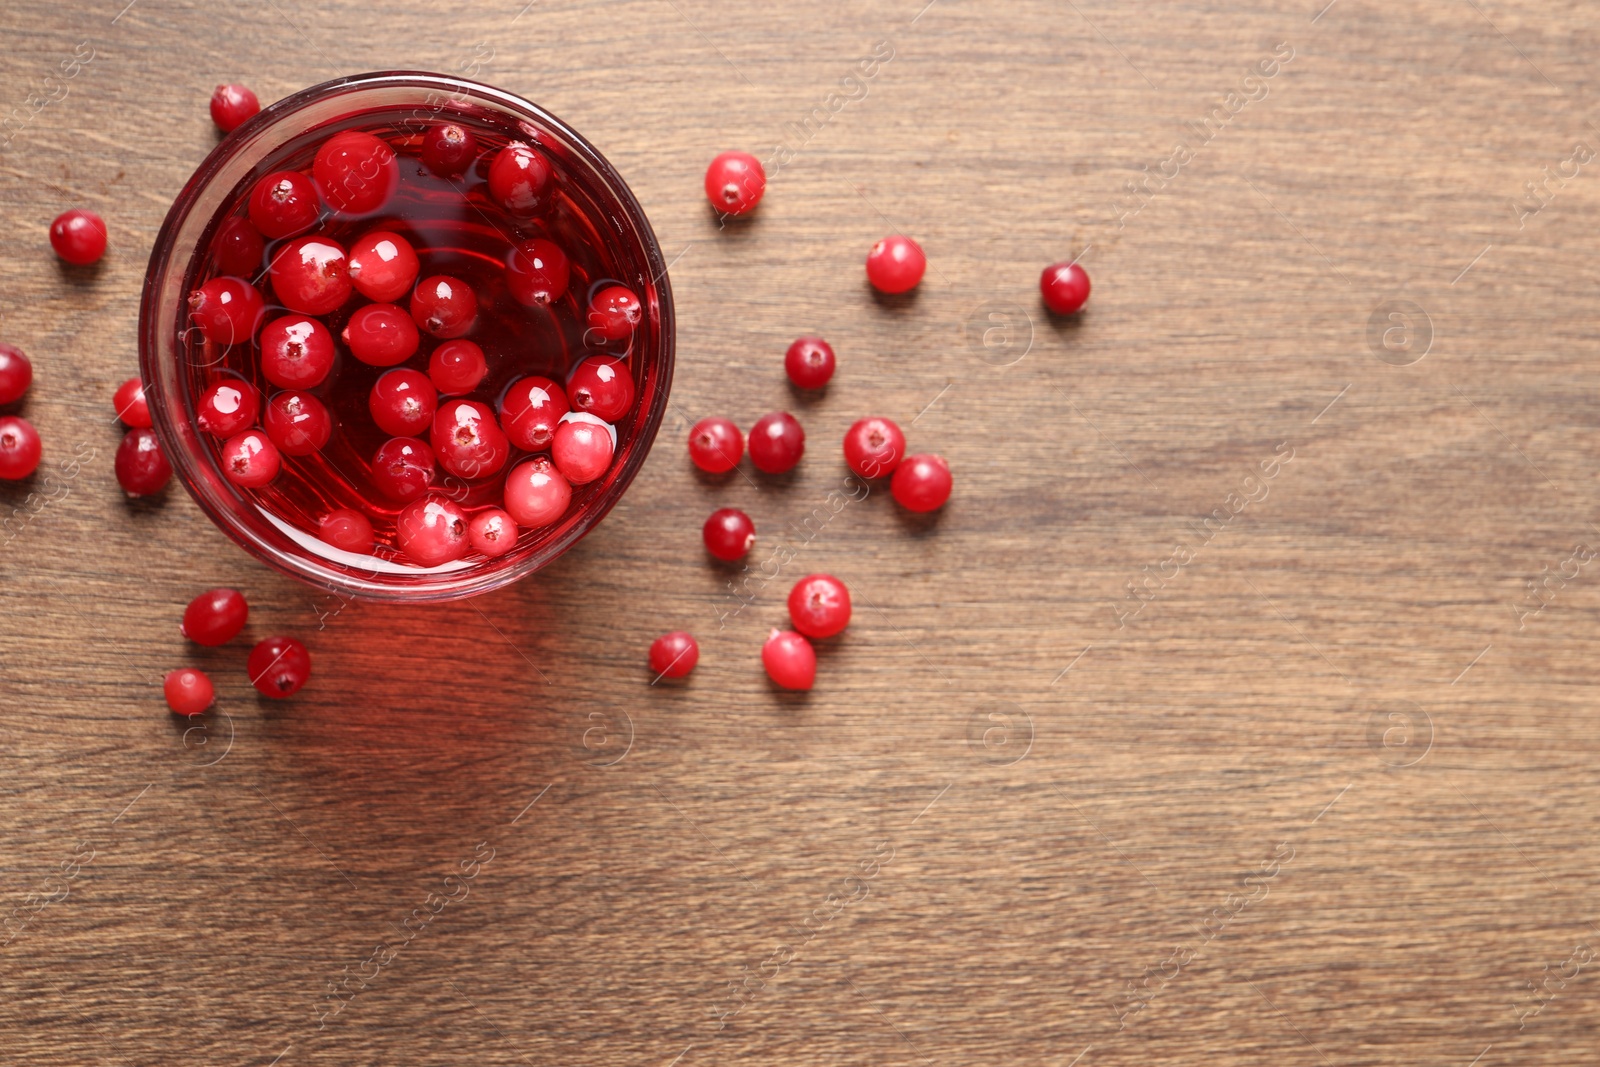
79	237
278	667
674	655
141	467
239	248
790	660
467	441
531	410
819	605
1065	287
381	335
297	422
614	312
448	148
188	691
382	266
283	204
357	172
296	352
777	442
895	264
227	310
132	407
231	105
348	529
311	275
715	445
228	406
735	182
403	468
922	483
537	494
537	272
518	178
16	373
602	386
457	367
20	447
250	459
492	532
874	447
215	617
444	306
403	402
728	534
809	362
582	448
432	531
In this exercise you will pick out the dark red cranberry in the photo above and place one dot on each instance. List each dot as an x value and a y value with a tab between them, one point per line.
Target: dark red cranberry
735	182
311	275
231	105
228	406
403	468
432	531
582	447
188	691
467	441
530	412
537	272
715	445
278	667
283	204
614	312
457	367
492	532
537	494
79	237
674	655
358	172
250	459
16	374
383	266
132	407
895	264
790	660
518	178
728	534
239	248
297	422
809	362
819	605
227	310
1065	287
444	306
873	447
403	402
602	386
215	617
296	352
20	448
448	148
348	529
922	483
141	467
777	442
381	335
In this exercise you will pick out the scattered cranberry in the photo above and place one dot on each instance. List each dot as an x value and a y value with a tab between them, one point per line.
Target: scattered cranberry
674	655
531	410
403	402
614	312
602	386
141	468
358	172
20	448
250	459
279	666
231	105
381	335
228	406
403	468
188	691
448	149
457	367
311	275
16	373
582	448
537	272
715	445
819	605
432	531
809	362
239	248
873	447
518	177
735	182
895	264
922	483
777	442
283	204
467	441
296	352
444	306
132	407
382	266
79	237
789	659
227	310
1065	287
215	617
492	532
728	534
348	529
297	422
537	494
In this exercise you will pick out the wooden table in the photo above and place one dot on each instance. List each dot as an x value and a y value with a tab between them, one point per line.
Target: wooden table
1212	722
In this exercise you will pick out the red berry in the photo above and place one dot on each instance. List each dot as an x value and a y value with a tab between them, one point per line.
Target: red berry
922	483
674	655
79	237
142	469
311	276
188	691
444	306
132	408
228	406
537	494
873	447
16	373
297	422
448	148
403	402
614	312
1065	287
283	204
777	442
296	352
518	178
789	659
358	172
582	447
457	367
537	272
231	105
348	529
382	266
215	617
809	362
279	666
250	459
819	605
895	264
227	310
467	441
715	445
239	248
602	386
20	448
432	531
492	532
728	534
531	410
735	182
381	335
403	468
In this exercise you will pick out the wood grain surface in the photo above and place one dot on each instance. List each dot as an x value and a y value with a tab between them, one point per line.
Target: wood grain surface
1237	710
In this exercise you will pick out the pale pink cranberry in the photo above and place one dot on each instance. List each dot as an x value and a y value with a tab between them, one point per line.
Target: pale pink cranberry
537	272
141	467
357	172
531	410
444	306
132	407
457	367
492	532
348	529
228	406
381	335
582	447
296	352
403	468
518	178
382	266
227	310
311	275
433	531
536	493
602	386
467	440
614	312
250	459
403	402
790	660
297	422
674	655
283	204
